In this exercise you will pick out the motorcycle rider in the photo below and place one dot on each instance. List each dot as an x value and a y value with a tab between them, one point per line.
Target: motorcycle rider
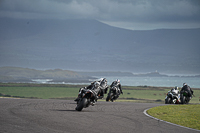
91	85
103	85
81	91
101	81
118	85
97	89
175	90
188	89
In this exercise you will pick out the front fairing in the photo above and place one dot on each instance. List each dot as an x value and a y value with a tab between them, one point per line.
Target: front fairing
166	97
176	99
170	95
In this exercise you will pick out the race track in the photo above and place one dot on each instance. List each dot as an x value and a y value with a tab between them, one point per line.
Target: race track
59	116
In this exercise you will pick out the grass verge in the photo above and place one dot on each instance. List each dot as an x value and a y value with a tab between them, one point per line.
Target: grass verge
184	115
63	91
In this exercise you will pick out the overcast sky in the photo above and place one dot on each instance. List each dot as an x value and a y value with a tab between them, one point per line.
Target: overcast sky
129	14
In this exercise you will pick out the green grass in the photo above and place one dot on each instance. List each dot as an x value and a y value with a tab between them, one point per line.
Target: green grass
146	94
185	115
42	91
154	93
46	91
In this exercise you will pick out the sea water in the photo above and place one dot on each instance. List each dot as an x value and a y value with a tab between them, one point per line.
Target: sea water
193	82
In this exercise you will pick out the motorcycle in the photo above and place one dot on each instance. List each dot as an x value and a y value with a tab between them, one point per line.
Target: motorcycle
84	101
184	97
173	97
113	94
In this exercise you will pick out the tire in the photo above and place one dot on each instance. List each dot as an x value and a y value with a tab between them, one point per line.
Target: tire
166	101
82	104
108	98
187	101
169	100
183	100
111	97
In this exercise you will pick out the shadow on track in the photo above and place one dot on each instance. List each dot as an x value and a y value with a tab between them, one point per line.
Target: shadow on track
63	110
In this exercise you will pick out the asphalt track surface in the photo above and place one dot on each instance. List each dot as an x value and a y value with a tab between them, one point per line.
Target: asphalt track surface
59	116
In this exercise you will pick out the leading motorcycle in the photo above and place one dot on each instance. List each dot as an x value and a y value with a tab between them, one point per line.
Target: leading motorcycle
86	99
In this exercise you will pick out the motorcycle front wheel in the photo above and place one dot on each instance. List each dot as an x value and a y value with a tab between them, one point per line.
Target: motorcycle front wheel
169	100
183	101
81	104
108	98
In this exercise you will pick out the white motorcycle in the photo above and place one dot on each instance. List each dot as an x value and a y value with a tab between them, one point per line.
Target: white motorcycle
173	97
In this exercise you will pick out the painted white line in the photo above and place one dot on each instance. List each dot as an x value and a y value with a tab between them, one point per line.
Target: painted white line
145	112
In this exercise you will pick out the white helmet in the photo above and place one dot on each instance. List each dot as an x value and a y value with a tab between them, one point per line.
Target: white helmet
118	81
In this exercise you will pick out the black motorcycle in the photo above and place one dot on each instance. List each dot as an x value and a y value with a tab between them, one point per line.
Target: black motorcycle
184	97
87	98
113	94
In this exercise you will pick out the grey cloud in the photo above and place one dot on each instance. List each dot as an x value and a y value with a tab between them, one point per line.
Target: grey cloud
119	12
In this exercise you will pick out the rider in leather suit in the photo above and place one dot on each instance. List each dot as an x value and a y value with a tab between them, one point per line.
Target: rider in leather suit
188	89
118	85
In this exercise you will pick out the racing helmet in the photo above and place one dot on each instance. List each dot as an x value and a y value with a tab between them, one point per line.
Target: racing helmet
184	84
118	81
176	88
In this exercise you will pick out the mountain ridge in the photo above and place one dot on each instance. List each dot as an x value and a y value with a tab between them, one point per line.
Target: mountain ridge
92	45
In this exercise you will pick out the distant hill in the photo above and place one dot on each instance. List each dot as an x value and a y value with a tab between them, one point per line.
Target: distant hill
24	75
106	74
89	45
119	74
151	74
17	74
